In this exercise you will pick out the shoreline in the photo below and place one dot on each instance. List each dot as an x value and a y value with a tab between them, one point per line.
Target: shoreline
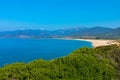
94	42
100	42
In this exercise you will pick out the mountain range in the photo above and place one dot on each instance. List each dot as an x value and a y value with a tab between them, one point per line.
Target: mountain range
94	32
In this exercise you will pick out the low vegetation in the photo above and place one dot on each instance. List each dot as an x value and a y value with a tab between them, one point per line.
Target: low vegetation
101	63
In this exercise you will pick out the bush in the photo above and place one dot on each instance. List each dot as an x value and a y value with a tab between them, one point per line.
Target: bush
81	64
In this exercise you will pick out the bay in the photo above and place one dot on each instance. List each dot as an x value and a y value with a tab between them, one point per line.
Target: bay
25	50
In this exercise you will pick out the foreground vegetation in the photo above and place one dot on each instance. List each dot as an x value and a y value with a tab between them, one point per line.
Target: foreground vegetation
102	63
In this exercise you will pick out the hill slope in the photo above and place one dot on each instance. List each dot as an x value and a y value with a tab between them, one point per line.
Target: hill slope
115	33
102	63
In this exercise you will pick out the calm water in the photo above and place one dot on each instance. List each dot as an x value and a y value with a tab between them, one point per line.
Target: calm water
25	50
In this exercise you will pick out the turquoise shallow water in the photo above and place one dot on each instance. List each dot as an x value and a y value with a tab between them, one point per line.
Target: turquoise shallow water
25	50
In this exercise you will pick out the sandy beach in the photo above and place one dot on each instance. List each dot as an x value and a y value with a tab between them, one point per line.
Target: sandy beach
97	43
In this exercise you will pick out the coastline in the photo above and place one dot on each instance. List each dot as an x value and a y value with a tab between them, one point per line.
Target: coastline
100	42
94	42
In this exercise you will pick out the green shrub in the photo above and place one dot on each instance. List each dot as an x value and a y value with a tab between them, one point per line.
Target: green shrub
82	64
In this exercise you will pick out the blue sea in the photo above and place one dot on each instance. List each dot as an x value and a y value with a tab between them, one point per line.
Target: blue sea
26	50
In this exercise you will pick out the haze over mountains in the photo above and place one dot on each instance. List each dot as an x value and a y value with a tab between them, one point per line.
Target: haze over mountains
94	32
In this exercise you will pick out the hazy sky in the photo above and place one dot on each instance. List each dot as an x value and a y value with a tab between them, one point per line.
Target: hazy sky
58	14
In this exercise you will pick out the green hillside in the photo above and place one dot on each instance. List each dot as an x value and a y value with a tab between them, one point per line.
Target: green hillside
102	63
114	34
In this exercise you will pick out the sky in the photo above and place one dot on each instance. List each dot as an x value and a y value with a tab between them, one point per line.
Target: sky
58	14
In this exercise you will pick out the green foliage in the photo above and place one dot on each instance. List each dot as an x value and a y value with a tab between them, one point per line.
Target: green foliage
111	53
82	64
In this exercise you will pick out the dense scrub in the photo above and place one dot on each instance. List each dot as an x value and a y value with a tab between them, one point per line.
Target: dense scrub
102	63
111	53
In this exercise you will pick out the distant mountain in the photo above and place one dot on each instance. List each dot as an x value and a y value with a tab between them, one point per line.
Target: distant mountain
83	32
95	32
25	33
115	33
